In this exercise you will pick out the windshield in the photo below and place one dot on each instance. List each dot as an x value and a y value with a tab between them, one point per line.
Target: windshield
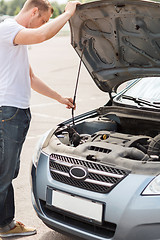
141	90
146	89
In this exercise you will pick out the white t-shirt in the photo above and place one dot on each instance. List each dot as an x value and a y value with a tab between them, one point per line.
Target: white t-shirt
15	89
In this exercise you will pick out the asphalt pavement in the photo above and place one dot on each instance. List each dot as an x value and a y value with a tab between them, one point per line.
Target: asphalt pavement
56	63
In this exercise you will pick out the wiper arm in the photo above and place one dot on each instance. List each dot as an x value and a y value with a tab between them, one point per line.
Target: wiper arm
140	101
156	103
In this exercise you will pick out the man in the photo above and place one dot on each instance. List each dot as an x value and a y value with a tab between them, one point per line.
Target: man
16	81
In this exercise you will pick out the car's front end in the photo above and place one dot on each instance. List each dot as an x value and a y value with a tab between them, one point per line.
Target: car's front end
98	177
113	201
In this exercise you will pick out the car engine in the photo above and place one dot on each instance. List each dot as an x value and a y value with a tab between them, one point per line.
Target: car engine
112	141
104	134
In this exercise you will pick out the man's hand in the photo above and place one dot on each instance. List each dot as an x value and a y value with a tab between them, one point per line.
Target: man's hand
71	7
68	102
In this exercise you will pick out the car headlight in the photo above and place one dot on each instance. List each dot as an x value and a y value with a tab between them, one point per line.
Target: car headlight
153	187
43	142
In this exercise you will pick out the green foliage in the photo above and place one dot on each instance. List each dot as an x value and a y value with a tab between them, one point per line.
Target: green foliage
13	7
58	9
3	7
17	10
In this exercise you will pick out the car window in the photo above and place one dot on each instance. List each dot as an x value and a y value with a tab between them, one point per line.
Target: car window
146	88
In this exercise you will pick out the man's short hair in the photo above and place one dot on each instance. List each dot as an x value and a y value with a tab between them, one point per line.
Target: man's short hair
42	5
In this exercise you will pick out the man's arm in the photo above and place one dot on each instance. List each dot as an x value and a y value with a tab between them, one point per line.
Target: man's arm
40	87
29	36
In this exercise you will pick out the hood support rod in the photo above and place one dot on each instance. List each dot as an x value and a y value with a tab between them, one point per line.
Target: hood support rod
75	92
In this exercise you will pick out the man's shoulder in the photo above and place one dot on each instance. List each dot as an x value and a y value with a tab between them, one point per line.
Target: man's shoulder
10	25
8	30
11	22
7	23
3	17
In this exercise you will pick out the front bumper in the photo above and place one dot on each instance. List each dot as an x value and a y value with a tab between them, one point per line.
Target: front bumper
127	215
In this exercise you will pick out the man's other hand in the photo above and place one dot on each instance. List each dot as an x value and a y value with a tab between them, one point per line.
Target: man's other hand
68	102
71	7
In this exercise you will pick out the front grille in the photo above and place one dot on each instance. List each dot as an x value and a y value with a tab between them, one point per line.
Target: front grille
101	178
106	230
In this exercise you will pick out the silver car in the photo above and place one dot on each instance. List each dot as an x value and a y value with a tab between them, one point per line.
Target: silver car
97	175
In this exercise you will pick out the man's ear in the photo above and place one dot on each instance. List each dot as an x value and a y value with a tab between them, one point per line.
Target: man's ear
34	11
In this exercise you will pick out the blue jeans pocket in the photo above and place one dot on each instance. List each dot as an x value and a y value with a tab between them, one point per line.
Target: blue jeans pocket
15	123
9	113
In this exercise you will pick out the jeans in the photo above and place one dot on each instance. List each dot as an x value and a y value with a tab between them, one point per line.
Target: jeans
14	124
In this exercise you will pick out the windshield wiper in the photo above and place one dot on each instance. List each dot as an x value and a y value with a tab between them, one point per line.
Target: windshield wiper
140	101
156	103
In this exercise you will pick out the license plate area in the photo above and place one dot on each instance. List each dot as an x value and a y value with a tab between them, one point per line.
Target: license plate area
91	211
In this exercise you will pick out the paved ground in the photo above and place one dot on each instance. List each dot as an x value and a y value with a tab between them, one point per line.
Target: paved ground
56	63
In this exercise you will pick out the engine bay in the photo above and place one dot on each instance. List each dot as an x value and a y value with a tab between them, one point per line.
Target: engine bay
130	138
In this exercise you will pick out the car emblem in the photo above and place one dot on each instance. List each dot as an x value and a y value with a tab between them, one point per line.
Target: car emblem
78	172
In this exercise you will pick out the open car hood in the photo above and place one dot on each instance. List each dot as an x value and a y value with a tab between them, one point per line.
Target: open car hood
120	40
